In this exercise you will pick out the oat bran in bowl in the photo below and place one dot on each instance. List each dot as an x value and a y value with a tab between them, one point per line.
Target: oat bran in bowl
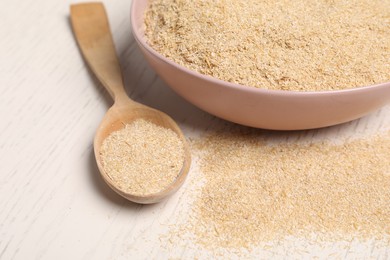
276	81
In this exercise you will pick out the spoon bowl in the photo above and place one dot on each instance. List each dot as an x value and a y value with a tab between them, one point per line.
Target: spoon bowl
91	28
255	107
119	115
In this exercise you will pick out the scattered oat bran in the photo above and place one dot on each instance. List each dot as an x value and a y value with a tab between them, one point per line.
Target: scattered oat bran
257	192
142	158
276	44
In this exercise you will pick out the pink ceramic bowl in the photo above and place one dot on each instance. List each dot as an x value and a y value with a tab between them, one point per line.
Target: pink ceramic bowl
261	108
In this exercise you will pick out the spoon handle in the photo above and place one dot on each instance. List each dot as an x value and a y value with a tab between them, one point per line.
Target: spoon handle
92	31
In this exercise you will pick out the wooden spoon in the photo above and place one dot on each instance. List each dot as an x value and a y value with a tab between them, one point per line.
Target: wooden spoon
91	28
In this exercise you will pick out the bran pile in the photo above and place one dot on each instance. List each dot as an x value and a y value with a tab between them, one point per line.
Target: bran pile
257	192
142	158
283	45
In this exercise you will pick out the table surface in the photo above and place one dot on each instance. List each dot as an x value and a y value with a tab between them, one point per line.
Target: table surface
54	204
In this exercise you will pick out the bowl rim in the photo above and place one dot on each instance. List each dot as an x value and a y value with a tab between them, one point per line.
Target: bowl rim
141	39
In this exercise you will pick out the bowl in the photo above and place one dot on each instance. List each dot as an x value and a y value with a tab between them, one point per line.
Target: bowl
256	107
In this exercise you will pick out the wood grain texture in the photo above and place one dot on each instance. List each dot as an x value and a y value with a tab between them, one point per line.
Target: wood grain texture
54	204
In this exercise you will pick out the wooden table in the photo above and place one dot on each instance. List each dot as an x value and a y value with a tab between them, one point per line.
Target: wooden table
54	205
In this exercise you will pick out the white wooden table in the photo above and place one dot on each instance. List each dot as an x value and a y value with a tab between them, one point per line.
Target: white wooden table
54	205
